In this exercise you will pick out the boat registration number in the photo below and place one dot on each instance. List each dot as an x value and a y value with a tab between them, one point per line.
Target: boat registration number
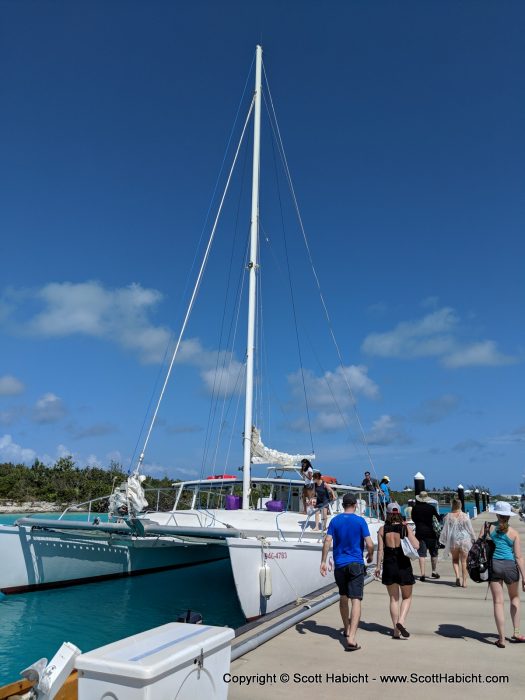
275	555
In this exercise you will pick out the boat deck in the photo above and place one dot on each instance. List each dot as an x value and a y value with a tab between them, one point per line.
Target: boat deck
452	632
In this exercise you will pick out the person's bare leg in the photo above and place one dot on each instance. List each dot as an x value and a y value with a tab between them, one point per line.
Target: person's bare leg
324	516
496	588
345	613
464	572
434	563
406	602
354	621
393	592
422	565
514	595
455	562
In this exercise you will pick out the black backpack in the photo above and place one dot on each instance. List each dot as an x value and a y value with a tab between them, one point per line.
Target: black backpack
479	560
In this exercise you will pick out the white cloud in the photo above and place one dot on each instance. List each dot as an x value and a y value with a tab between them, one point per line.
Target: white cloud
435	335
331	389
48	409
12	452
386	431
483	354
88	308
10	386
121	316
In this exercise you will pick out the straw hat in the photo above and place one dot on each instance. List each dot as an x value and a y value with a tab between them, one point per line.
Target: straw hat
423	497
385	478
503	508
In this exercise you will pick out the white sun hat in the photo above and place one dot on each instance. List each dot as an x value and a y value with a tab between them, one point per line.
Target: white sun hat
503	508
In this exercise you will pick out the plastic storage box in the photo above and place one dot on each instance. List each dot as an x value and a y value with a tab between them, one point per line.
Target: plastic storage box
175	661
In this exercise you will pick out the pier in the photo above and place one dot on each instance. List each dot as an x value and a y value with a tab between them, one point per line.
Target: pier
450	651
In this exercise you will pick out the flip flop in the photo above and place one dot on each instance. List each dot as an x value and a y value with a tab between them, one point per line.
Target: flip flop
499	644
352	647
403	630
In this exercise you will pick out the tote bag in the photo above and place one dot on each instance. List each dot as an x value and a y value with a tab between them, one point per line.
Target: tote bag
408	548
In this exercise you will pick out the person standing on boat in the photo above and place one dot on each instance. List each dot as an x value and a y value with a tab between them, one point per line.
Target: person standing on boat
324	496
384	494
349	535
371	486
307	473
507	566
423	513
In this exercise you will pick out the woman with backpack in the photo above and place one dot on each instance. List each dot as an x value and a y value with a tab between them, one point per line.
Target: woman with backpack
507	566
458	536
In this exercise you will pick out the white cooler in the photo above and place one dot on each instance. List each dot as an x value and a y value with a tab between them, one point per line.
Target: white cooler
175	661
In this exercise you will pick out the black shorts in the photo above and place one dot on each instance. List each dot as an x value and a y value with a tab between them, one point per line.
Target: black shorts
350	580
429	543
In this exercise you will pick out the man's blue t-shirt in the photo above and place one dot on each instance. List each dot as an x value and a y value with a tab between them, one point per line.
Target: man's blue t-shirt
348	531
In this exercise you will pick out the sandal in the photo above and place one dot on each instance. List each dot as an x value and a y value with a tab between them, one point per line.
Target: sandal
499	644
403	630
518	639
457	582
352	647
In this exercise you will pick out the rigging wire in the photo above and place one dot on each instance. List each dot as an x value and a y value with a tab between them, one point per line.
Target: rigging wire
220	368
292	296
195	290
314	271
192	266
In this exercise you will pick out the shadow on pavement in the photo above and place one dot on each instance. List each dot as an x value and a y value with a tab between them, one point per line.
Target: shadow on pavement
459	632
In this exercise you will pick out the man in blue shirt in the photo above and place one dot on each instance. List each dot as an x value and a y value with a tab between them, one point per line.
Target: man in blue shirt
349	534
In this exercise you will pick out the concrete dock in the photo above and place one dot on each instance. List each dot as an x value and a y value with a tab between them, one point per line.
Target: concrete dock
450	651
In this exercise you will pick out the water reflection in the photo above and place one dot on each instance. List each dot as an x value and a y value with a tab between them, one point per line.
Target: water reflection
33	625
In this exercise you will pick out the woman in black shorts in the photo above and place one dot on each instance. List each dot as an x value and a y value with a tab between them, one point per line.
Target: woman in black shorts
397	570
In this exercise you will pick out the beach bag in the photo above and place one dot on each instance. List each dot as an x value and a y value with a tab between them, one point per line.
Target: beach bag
408	548
436	526
479	559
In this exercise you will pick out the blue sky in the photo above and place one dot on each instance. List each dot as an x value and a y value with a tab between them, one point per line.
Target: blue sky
403	127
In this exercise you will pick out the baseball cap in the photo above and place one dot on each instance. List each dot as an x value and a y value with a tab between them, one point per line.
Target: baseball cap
393	508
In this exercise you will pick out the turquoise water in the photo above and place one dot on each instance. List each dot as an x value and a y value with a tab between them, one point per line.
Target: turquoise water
33	625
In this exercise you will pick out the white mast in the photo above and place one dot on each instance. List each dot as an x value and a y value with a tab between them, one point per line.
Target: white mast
252	267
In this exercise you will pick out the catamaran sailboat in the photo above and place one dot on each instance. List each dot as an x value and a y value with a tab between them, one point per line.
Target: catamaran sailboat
256	522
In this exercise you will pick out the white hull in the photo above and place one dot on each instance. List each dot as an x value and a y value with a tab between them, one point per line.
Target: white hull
33	559
294	571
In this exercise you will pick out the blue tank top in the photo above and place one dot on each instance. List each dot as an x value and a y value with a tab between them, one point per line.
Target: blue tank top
504	545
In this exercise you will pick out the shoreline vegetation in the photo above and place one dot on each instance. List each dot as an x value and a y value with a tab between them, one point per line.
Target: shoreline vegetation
40	488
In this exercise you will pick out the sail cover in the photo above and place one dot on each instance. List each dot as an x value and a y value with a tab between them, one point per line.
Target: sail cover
265	455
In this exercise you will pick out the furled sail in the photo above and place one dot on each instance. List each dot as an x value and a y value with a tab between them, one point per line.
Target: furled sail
128	498
265	455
